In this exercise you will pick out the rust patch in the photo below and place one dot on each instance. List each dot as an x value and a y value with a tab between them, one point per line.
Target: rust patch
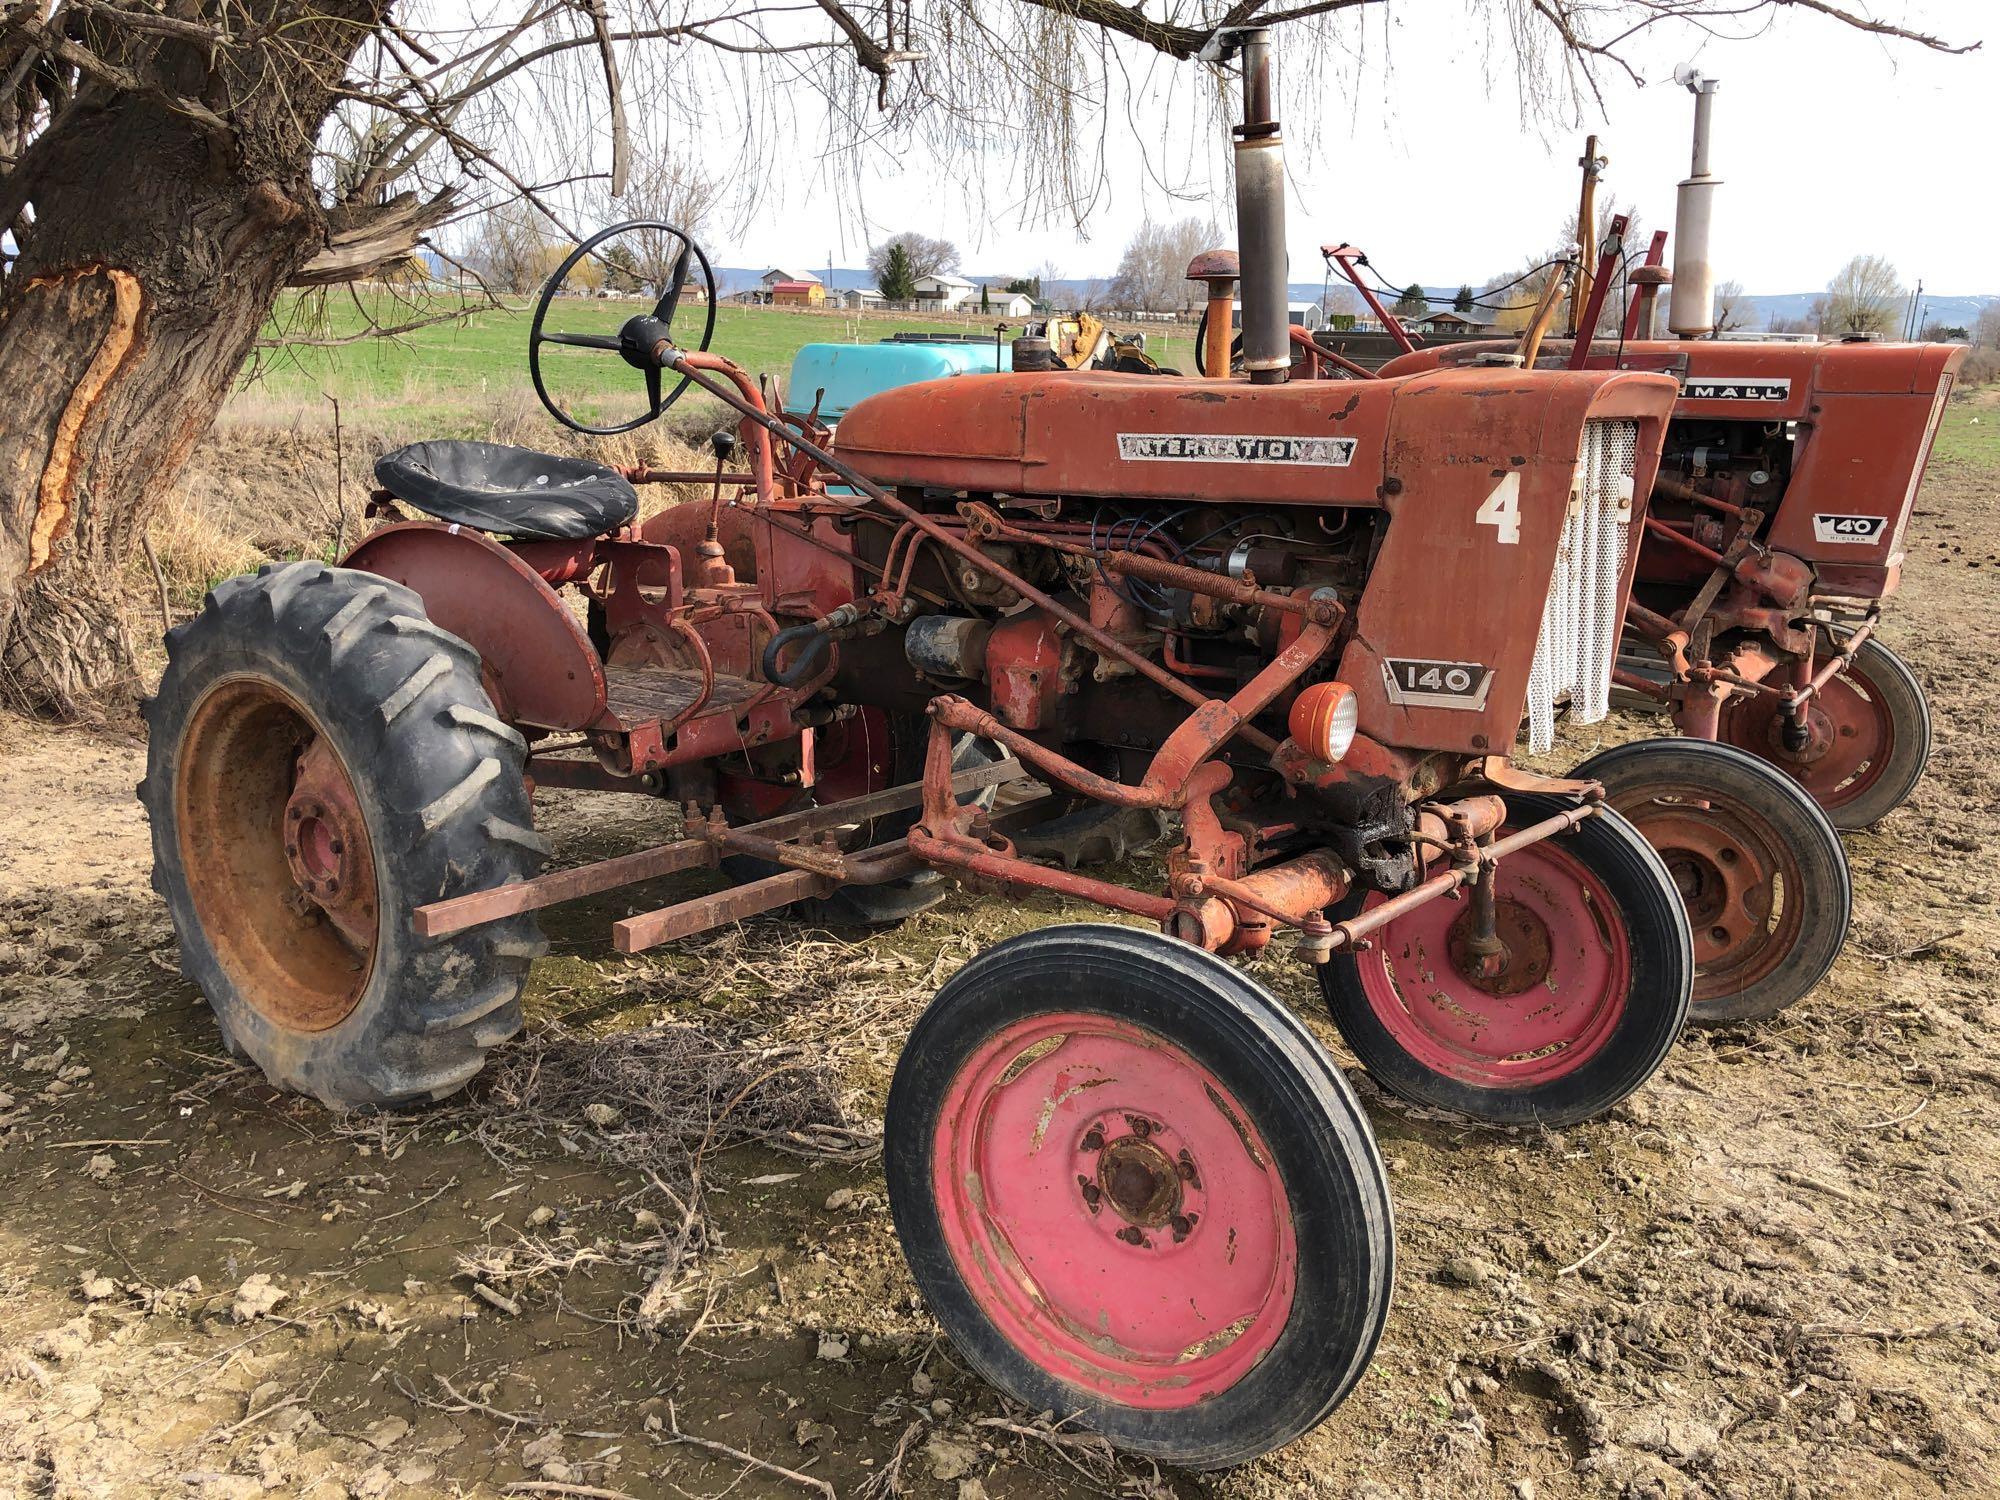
54	512
1054	1102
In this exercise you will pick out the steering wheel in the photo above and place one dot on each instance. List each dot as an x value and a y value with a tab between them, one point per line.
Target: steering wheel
641	335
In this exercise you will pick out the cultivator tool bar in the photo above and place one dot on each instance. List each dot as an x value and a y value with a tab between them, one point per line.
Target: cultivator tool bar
708	838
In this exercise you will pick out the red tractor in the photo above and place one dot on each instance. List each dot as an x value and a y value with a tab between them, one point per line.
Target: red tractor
1304	619
1774	536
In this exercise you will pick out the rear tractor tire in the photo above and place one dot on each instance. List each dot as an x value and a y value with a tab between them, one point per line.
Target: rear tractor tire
1759	867
323	760
1593	991
1131	1186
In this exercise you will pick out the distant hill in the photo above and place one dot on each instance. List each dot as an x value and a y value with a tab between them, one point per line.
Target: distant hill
1953	312
1961	311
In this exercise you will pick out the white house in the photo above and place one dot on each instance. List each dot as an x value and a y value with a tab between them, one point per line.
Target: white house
944	290
776	274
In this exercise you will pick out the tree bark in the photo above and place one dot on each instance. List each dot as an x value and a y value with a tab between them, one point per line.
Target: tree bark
158	250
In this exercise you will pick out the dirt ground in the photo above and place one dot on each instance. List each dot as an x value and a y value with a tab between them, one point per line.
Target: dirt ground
1774	1271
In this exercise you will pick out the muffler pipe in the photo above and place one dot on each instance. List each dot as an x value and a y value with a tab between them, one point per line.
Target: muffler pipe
1260	216
1691	311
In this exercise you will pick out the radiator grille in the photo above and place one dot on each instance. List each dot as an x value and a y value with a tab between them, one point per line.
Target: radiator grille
1579	639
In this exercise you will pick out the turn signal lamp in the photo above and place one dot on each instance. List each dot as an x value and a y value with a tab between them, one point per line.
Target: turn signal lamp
1323	719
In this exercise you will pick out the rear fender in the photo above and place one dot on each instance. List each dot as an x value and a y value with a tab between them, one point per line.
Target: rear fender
537	663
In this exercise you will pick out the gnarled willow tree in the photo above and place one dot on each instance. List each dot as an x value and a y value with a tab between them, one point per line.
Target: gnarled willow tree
169	167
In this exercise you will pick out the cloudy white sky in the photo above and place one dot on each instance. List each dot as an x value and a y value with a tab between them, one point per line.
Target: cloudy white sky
1830	144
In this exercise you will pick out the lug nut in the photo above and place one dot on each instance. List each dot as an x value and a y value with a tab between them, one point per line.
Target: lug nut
1094	1141
1132	1234
1092	1194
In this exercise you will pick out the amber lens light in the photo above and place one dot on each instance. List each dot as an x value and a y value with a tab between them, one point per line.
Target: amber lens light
1323	719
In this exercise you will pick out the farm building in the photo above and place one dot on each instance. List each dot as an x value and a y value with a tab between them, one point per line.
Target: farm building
772	278
1446	321
797	294
1307	315
861	299
943	291
1006	304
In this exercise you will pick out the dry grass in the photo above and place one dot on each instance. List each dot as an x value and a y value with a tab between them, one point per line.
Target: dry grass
195	548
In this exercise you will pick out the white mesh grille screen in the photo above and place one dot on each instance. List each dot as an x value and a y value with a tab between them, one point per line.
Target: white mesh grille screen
1579	639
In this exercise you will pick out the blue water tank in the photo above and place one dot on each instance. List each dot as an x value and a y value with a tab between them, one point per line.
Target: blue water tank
850	372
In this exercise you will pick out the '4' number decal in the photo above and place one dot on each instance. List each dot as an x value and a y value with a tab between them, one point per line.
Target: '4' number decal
1502	510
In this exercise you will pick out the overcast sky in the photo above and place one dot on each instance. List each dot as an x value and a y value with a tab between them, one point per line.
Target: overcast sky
1829	143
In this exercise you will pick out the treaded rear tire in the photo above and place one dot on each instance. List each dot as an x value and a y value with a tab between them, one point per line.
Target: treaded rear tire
438	780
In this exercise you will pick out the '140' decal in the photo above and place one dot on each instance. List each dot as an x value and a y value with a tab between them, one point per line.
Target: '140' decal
1860	530
1436	684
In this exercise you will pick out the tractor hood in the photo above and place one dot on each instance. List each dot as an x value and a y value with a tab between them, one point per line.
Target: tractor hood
1740	377
1140	437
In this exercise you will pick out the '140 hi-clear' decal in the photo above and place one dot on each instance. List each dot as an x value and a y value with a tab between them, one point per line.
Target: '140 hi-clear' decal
1860	530
1436	684
1740	388
1234	448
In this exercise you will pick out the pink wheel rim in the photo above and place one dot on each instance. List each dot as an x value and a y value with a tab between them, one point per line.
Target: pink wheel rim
1571	1002
1113	1211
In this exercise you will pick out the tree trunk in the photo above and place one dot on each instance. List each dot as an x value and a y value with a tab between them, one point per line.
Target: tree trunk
158	250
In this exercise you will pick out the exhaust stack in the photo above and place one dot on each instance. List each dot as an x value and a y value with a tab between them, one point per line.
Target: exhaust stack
1691	313
1260	216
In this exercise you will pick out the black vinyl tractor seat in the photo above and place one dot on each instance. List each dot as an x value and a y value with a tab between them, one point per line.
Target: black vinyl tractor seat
508	491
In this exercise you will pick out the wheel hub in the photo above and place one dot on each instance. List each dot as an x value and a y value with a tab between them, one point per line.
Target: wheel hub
1135	1167
1802	744
1724	878
277	855
1139	1181
326	844
1521	960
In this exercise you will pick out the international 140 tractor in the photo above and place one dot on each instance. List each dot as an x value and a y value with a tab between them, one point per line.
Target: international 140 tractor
1300	620
1775	534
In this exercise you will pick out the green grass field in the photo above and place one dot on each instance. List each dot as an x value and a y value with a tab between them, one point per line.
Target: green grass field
1970	432
449	377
